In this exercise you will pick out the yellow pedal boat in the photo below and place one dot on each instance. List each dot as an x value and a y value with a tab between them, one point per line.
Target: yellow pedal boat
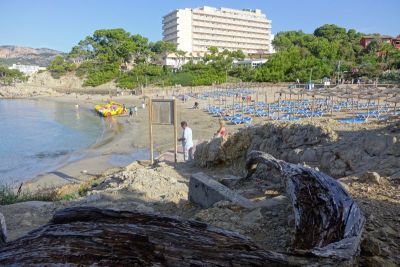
110	109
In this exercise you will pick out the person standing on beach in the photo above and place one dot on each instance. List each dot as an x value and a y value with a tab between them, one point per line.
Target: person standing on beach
222	130
187	142
135	110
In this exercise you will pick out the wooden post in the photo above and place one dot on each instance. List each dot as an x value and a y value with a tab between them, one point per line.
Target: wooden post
151	131
257	96
312	108
233	105
176	132
279	107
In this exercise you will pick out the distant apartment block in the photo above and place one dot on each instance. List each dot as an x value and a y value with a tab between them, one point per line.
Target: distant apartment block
27	69
195	30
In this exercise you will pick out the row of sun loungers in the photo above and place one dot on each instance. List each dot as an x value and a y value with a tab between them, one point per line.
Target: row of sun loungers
292	110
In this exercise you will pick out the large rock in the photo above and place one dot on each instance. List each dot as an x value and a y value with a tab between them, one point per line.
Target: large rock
205	192
312	143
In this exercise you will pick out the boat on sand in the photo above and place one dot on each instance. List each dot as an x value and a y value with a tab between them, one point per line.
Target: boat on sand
111	109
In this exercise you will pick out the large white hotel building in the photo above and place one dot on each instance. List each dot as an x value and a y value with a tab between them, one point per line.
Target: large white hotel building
194	30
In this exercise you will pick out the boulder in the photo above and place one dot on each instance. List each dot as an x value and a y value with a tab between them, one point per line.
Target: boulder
205	192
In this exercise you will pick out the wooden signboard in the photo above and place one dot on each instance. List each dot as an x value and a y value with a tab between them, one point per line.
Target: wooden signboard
163	112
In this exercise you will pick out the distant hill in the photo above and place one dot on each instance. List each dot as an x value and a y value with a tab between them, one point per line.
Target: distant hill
10	54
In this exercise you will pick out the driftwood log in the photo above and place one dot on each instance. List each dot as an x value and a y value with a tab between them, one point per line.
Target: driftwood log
3	230
328	221
90	236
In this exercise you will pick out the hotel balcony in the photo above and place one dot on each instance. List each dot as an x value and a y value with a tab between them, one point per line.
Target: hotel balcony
215	25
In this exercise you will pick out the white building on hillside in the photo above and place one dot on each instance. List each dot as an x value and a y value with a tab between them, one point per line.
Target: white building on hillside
27	69
254	63
195	30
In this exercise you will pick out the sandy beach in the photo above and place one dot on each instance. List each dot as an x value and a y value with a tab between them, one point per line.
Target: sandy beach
126	140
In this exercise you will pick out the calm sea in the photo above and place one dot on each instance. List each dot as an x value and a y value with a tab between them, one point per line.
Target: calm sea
37	136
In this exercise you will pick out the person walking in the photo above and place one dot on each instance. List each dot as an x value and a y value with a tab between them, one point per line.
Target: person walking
135	110
187	142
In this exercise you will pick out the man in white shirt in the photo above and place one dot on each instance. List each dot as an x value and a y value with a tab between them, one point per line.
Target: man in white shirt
187	142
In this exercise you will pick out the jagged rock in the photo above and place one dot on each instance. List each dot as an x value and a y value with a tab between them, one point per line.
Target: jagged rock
315	144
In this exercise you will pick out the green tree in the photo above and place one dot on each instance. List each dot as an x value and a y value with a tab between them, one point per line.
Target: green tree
9	76
59	67
330	32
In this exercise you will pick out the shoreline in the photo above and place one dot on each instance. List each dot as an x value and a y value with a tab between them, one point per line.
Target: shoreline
126	142
88	161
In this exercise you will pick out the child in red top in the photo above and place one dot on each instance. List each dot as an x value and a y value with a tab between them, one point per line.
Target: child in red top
221	131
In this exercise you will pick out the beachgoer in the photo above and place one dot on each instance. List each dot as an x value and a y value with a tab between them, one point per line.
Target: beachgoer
187	142
222	130
143	104
130	111
196	105
135	110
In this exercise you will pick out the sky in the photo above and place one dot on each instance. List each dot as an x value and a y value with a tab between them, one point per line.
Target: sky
61	24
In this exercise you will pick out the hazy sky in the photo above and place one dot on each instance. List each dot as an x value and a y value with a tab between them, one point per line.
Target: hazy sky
60	24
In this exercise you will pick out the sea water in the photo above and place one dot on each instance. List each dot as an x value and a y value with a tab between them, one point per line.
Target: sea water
38	136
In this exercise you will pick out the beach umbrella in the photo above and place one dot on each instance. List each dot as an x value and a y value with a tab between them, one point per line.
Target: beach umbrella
327	94
347	97
390	91
369	98
378	97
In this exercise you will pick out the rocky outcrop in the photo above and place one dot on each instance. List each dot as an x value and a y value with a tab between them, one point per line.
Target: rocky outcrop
337	154
24	90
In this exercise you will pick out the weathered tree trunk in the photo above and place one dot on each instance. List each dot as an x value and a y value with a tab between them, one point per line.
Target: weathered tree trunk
328	221
3	230
86	236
